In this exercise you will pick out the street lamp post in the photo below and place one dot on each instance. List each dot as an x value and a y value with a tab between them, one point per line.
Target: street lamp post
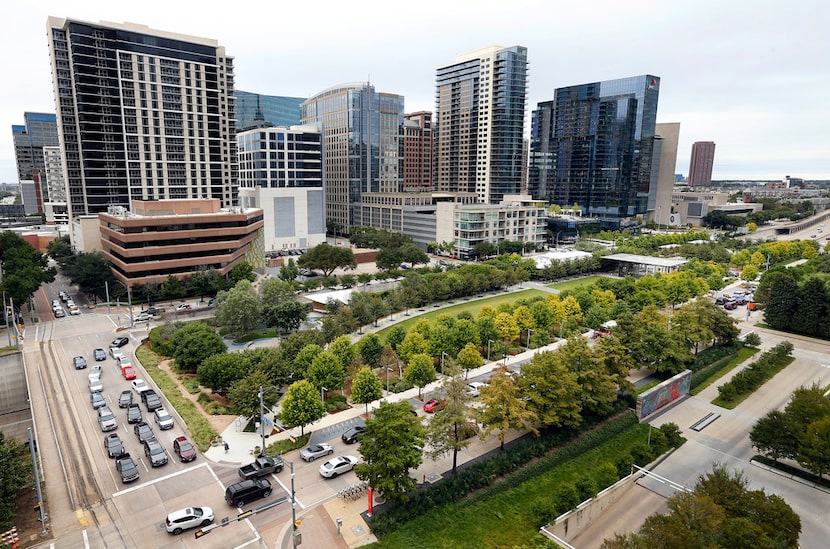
443	354
505	359
293	507
129	299
323	394
489	341
528	338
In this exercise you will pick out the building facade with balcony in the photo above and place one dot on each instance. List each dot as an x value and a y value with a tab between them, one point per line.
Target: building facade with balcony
516	218
159	238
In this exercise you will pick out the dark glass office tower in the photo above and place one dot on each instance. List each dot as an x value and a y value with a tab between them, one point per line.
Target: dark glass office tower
593	146
252	108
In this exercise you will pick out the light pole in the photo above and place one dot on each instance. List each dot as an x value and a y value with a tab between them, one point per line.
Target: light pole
505	359
528	338
323	394
489	341
129	299
293	507
443	354
262	422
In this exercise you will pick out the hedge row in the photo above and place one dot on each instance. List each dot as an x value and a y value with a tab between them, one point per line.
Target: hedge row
706	376
199	427
483	473
753	376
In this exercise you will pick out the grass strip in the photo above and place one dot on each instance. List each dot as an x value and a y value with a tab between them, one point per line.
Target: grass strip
199	427
705	377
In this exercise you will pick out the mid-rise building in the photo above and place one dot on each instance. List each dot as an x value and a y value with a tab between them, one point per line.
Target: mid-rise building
417	152
251	108
281	172
362	144
700	167
516	218
55	207
667	136
39	130
593	146
480	109
142	114
159	238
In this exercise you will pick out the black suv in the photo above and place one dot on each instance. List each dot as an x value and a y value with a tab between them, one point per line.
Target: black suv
126	466
151	400
143	431
241	493
134	414
154	452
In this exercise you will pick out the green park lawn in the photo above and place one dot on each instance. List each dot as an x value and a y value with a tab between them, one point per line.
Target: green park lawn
473	306
574	284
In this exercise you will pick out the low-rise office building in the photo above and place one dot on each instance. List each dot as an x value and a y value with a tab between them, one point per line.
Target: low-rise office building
160	238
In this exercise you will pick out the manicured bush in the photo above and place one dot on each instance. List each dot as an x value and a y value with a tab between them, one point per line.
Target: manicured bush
706	376
282	446
673	434
753	376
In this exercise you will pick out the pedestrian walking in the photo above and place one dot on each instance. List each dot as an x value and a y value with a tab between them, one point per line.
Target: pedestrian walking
227	447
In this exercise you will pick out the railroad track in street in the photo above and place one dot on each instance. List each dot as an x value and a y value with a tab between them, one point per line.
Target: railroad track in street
85	494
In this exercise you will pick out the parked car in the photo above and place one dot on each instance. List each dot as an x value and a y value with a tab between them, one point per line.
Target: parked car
74	310
97	400
184	519
125	399
106	419
474	388
113	445
155	452
119	342
95	385
433	405
134	414
139	386
184	307
337	466
163	419
315	451
184	449
730	305
125	465
143	431
123	361
155	311
99	355
350	436
59	313
128	373
243	492
79	362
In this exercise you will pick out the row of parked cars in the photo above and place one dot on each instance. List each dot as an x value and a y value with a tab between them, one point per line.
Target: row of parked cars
58	305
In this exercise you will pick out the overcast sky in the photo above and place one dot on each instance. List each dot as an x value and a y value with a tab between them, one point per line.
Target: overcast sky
751	75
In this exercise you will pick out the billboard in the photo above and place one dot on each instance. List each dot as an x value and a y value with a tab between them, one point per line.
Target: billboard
665	394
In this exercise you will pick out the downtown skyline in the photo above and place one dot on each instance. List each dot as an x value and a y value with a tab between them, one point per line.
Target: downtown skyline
739	75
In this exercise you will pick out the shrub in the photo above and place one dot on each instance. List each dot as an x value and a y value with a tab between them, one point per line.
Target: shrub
586	488
204	399
217	409
642	454
565	499
283	446
543	511
752	340
606	475
623	464
673	435
191	385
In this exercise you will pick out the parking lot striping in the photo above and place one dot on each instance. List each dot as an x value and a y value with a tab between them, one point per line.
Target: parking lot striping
150	483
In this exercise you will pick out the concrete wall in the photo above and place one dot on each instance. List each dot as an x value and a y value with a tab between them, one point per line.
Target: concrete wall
15	411
569	525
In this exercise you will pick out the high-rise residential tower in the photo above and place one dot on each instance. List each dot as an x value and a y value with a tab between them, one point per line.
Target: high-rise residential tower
417	152
479	123
700	167
593	146
142	114
363	149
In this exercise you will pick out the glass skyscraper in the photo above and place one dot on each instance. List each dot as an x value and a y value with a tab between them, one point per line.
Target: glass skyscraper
279	111
594	146
40	130
362	145
478	130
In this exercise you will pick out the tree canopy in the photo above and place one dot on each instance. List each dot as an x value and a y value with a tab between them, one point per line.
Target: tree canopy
24	268
302	405
193	343
327	258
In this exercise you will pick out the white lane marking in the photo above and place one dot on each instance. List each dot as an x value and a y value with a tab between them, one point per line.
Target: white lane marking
150	483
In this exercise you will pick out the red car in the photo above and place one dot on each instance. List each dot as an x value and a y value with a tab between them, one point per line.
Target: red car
433	405
730	305
128	373
184	449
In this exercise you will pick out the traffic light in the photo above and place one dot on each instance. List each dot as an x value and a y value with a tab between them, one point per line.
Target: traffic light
297	523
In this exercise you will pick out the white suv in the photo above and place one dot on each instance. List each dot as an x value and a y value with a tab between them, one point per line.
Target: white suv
188	518
163	419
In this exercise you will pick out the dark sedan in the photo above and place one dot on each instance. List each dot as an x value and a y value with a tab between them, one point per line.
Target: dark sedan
113	444
134	414
119	342
350	436
143	431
